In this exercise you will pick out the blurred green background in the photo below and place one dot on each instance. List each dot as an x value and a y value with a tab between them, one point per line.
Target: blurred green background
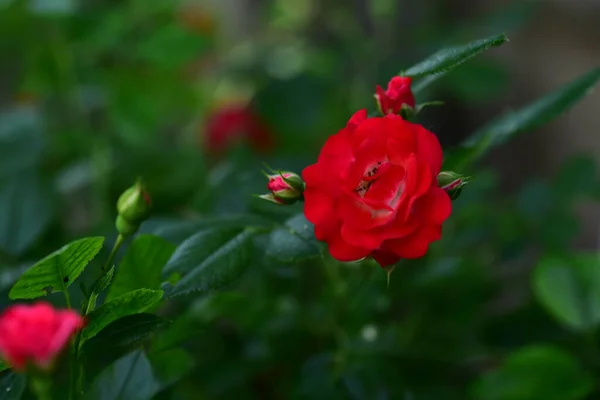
94	94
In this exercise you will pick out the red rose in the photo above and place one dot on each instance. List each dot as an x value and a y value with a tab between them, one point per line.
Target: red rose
373	191
398	93
35	334
235	123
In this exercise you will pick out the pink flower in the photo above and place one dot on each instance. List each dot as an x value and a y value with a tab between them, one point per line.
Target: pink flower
36	334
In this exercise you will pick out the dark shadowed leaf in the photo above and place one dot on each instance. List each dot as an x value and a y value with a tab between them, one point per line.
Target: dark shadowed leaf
171	365
25	211
178	231
130	303
184	327
12	386
570	289
129	378
540	372
57	271
212	271
295	241
120	337
141	266
21	140
124	333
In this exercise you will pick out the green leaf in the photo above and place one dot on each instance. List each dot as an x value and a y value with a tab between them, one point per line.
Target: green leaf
21	140
3	365
56	272
120	337
100	286
130	303
185	327
536	372
570	289
293	242
25	212
179	231
171	365
141	266
125	332
199	247
12	386
449	58
211	272
528	118
130	378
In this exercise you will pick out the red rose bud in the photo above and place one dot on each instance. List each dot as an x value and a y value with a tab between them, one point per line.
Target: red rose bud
36	334
285	187
398	94
134	207
452	183
373	190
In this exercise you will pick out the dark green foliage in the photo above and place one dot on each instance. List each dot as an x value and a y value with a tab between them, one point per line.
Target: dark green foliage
222	296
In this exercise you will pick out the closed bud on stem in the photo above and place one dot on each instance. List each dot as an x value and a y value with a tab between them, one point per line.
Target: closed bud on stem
397	96
285	187
134	207
452	183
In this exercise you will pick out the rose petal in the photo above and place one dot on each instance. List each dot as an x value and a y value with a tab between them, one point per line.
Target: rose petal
344	251
337	149
382	100
385	258
415	245
362	238
429	149
434	207
357	118
353	211
317	205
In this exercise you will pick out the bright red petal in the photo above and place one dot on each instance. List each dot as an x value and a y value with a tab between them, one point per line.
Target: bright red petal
317	205
344	251
433	208
429	149
415	245
356	119
362	238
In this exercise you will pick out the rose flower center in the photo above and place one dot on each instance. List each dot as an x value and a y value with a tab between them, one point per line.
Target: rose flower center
381	187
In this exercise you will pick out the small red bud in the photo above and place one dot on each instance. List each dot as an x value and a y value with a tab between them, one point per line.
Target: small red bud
398	94
285	187
452	183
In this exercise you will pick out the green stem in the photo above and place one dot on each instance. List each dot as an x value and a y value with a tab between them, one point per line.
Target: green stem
41	386
67	297
113	254
77	372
